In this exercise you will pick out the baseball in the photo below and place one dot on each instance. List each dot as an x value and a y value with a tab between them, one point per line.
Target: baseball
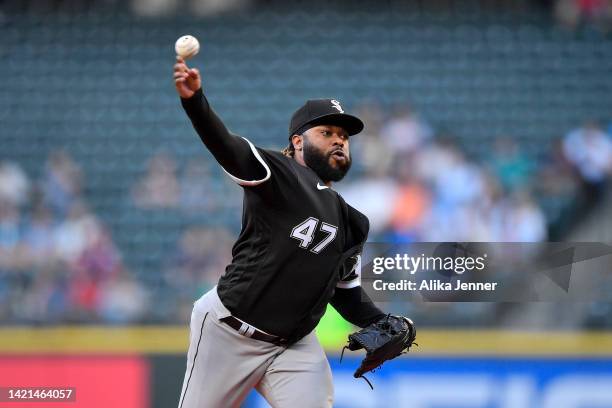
187	46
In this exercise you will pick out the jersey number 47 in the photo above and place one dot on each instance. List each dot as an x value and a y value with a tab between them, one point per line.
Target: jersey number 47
305	231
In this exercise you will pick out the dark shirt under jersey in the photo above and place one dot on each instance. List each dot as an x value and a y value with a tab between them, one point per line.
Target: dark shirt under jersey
285	265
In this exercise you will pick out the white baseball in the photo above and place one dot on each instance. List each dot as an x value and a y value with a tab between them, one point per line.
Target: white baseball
187	46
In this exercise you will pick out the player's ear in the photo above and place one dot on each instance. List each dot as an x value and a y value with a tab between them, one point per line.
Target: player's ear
297	141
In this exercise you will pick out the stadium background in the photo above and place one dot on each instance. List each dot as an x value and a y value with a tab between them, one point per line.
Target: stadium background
485	121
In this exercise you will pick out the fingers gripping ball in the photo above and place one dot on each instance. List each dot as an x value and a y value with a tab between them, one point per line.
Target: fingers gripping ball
187	46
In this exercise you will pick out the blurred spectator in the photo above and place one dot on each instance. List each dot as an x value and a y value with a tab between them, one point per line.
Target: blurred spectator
200	259
213	7
567	13
152	8
45	299
199	191
462	223
155	8
72	234
38	236
526	221
83	294
373	196
520	220
406	132
99	258
369	150
61	183
459	182
557	190
11	255
411	205
572	13
122	300
14	184
159	188
589	149
434	159
510	164
89	258
556	174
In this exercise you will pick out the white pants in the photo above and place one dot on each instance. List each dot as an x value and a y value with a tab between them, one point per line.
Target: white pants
223	365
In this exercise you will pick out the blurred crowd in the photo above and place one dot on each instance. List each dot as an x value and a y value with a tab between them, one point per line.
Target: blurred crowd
57	260
417	185
197	189
574	13
571	14
60	263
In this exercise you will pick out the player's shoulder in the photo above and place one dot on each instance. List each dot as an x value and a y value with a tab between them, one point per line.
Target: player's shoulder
277	160
281	166
273	154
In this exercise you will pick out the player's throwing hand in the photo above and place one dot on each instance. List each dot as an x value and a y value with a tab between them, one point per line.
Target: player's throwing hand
187	80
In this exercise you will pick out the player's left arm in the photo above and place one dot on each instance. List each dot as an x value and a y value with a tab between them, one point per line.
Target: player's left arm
355	306
351	301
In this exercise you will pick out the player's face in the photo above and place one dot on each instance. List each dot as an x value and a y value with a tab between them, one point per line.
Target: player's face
326	151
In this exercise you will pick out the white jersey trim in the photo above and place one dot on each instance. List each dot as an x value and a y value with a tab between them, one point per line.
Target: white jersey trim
348	285
356	281
263	163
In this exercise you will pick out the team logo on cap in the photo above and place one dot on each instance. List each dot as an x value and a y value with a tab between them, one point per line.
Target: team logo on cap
336	104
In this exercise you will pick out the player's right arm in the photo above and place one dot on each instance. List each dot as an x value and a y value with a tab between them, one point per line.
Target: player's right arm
236	155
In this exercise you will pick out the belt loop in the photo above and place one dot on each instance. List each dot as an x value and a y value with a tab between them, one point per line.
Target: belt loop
245	329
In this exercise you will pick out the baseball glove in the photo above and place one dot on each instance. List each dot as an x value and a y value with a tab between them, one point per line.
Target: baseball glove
383	340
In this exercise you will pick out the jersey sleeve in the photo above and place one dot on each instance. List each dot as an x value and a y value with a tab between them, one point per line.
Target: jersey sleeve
350	300
262	162
352	276
281	178
236	155
355	306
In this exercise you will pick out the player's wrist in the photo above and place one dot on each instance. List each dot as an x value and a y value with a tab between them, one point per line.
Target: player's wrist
193	95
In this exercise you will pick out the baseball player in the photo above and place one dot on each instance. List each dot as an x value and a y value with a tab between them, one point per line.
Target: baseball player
298	250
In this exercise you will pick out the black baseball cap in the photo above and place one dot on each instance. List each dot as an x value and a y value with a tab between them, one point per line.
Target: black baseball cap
323	112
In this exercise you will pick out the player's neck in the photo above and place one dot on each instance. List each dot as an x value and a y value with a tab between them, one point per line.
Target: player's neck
300	160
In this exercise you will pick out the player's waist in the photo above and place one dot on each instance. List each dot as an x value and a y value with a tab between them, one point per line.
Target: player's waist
212	300
247	330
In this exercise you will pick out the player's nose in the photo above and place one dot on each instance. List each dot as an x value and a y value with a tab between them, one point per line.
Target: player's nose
338	139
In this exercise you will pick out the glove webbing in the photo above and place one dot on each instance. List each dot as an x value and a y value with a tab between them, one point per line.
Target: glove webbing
361	376
403	352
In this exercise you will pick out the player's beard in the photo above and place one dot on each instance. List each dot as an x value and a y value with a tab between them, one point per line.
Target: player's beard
319	162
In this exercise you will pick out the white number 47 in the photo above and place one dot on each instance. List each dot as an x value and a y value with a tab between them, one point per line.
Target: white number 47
304	232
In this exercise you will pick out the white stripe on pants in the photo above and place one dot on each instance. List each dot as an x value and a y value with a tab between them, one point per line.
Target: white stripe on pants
223	365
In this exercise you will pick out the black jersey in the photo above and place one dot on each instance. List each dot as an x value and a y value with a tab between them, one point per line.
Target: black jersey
296	236
299	245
